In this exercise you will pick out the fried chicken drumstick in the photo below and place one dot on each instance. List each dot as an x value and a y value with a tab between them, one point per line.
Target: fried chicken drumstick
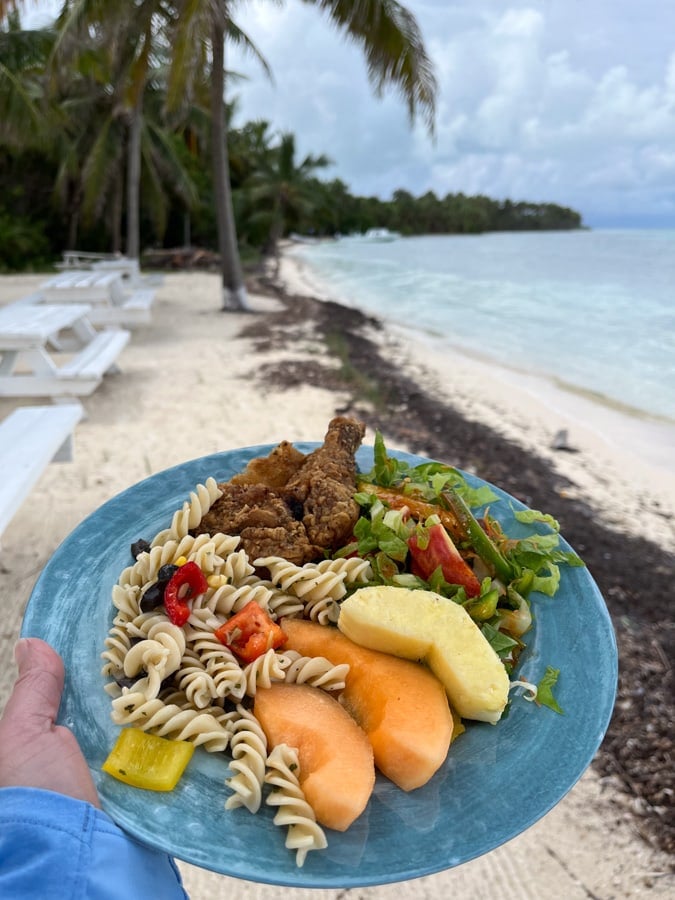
291	505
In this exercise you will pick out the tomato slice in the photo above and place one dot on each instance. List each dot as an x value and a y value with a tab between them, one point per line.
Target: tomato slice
441	551
147	761
250	632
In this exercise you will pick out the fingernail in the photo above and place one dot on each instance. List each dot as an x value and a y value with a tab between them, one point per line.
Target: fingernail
21	652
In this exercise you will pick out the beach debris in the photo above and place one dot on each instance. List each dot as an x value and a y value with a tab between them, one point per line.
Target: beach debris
561	442
181	258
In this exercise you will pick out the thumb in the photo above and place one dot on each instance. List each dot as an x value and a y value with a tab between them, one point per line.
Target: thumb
36	696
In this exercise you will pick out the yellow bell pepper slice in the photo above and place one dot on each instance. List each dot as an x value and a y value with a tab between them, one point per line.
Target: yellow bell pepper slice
146	761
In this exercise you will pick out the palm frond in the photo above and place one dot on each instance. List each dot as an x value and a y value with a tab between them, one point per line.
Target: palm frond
189	31
154	195
169	162
100	168
244	42
17	111
391	40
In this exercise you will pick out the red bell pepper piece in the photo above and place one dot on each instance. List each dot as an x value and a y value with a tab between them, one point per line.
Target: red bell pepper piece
187	582
250	632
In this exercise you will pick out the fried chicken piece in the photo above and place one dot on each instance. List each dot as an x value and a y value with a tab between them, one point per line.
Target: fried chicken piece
263	520
325	485
288	540
291	505
273	470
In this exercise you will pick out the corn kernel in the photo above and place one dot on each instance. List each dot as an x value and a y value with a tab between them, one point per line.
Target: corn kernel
216	581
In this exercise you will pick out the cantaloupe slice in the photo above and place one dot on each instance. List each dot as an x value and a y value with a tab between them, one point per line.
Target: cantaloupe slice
337	772
402	706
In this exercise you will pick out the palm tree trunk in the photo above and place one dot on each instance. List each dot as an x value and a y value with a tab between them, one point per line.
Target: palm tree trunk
73	222
134	179
234	296
116	212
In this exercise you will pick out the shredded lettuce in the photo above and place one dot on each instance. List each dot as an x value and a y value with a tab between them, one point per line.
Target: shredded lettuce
529	516
545	690
500	642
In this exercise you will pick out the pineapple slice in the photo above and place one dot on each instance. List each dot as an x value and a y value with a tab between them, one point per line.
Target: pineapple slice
424	626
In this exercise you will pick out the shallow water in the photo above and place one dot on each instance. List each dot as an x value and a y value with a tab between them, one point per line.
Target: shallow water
593	311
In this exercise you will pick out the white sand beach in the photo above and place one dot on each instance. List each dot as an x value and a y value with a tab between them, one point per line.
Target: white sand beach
187	388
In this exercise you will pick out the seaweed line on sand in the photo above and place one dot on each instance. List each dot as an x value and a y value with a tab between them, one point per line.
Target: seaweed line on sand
633	574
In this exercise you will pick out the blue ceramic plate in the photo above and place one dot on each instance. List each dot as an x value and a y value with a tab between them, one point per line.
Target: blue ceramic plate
496	782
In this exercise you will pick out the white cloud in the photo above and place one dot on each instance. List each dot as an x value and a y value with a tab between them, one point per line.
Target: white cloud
520	23
541	100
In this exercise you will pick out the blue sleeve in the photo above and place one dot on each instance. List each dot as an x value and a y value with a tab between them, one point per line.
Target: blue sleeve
54	846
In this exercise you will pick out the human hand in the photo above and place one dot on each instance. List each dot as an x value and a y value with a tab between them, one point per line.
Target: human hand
34	752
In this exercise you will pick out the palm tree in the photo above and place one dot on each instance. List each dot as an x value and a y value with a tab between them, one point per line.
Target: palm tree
23	56
395	54
130	42
103	73
61	113
385	30
283	189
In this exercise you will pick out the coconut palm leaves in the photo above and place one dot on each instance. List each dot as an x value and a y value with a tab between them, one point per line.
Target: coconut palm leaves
122	56
395	54
282	189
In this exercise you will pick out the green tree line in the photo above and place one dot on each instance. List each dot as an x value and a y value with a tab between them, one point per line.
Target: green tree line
342	213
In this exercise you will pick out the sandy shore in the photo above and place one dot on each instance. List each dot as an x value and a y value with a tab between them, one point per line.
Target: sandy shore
187	388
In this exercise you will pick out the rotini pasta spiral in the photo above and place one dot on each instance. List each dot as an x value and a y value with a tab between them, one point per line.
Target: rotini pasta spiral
148	564
264	670
248	747
308	582
225	543
354	569
281	604
325	610
117	646
146	625
315	671
223	599
224	717
293	811
220	663
125	598
193	679
204	554
237	567
170	720
159	656
191	513
201	620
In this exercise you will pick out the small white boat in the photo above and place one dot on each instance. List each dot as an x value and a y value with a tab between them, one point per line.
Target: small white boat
381	235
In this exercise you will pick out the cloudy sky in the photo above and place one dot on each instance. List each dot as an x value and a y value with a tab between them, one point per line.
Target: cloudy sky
568	101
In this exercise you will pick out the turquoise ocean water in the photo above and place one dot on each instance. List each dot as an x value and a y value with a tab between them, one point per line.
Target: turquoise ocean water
593	311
